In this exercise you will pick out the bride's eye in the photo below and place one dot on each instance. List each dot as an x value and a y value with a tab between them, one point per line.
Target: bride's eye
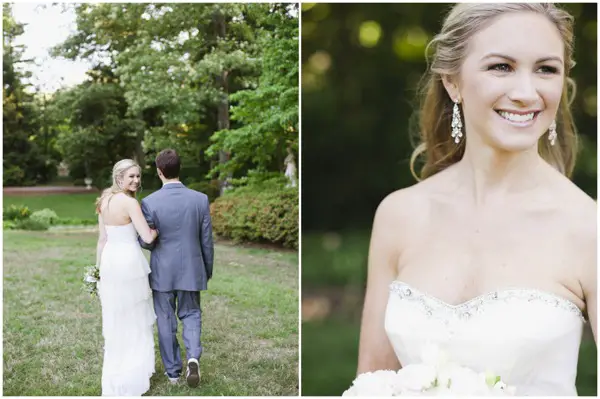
548	70
500	68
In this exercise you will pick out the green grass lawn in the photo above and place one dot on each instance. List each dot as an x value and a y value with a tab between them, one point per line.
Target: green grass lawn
53	343
80	206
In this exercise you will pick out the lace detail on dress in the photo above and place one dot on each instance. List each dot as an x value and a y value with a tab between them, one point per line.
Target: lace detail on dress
434	306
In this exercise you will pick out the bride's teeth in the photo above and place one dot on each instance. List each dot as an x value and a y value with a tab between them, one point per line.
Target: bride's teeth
517	117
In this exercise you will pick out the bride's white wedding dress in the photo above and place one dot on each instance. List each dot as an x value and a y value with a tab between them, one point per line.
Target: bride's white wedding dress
529	337
127	314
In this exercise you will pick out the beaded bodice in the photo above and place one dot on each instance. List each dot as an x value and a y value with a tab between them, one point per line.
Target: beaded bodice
530	337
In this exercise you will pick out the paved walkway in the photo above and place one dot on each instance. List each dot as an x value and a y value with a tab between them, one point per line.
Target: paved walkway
43	190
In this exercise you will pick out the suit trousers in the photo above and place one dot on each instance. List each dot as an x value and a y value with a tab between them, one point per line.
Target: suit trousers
169	306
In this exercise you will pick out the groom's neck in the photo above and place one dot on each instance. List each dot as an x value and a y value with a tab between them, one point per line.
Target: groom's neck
165	181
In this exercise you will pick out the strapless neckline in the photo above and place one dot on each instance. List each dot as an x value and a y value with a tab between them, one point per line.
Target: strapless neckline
405	290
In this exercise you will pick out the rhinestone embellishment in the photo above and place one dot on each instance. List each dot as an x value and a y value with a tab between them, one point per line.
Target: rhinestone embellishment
432	305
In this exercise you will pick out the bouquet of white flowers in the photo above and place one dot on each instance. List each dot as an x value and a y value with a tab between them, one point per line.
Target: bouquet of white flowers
435	376
91	278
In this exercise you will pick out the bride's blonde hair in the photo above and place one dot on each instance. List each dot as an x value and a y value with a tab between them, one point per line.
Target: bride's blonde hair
118	174
450	47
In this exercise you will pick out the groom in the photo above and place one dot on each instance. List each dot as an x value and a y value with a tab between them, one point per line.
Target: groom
181	264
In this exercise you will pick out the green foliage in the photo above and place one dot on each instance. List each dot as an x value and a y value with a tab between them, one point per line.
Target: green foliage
75	222
256	181
99	133
266	116
210	188
30	224
16	212
178	67
258	216
8	225
23	160
45	216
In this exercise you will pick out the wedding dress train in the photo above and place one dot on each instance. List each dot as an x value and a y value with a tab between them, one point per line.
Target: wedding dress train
529	337
127	315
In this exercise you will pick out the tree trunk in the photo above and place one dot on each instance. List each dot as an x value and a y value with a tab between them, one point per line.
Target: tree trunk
223	106
140	157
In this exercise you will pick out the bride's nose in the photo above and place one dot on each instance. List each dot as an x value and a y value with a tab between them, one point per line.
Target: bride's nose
524	89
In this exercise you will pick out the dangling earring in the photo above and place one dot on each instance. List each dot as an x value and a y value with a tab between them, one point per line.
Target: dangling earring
456	123
552	133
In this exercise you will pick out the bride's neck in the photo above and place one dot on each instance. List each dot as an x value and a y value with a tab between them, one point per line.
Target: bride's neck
490	175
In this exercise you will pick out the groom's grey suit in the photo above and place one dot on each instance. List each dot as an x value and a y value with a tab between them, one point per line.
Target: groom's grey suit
181	264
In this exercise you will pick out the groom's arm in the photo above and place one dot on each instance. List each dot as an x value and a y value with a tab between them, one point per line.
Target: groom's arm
148	216
206	239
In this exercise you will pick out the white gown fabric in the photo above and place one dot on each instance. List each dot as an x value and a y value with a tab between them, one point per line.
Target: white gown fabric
127	314
529	337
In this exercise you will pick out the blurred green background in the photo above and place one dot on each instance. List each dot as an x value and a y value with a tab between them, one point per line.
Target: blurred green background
360	68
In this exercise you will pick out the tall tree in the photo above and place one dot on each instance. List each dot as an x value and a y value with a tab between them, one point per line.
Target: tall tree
266	114
181	65
23	162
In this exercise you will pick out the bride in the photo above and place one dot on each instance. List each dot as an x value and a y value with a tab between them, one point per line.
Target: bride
127	313
492	255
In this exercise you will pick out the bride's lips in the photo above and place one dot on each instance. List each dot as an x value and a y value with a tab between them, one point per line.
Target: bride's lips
525	123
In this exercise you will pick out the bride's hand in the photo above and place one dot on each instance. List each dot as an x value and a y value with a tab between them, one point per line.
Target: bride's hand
154	233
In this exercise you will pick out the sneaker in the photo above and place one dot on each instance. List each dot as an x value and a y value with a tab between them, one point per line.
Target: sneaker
172	380
192	374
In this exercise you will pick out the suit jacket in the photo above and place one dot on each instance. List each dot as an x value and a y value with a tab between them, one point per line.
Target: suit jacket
182	256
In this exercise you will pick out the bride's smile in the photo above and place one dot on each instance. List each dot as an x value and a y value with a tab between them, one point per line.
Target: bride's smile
511	81
132	179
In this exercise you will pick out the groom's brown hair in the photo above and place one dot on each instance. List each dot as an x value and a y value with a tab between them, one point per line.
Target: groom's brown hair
169	163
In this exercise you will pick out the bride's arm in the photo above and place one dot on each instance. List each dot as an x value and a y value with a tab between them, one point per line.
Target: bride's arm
101	239
375	350
589	282
139	221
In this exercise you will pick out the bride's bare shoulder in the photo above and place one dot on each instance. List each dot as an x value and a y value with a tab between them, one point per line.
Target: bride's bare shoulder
577	216
406	206
577	205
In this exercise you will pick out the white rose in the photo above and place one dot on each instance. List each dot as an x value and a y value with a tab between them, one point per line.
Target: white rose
439	391
501	389
462	380
416	377
377	383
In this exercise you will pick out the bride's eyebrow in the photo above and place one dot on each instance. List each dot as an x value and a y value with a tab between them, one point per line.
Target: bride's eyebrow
513	60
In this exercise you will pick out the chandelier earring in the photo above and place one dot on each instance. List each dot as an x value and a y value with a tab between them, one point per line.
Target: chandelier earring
552	135
457	133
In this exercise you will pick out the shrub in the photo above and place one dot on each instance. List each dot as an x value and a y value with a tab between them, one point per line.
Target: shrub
76	222
266	181
8	225
29	224
47	216
16	212
13	176
259	216
210	188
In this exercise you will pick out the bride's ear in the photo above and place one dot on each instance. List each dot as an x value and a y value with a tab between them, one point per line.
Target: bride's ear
451	87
